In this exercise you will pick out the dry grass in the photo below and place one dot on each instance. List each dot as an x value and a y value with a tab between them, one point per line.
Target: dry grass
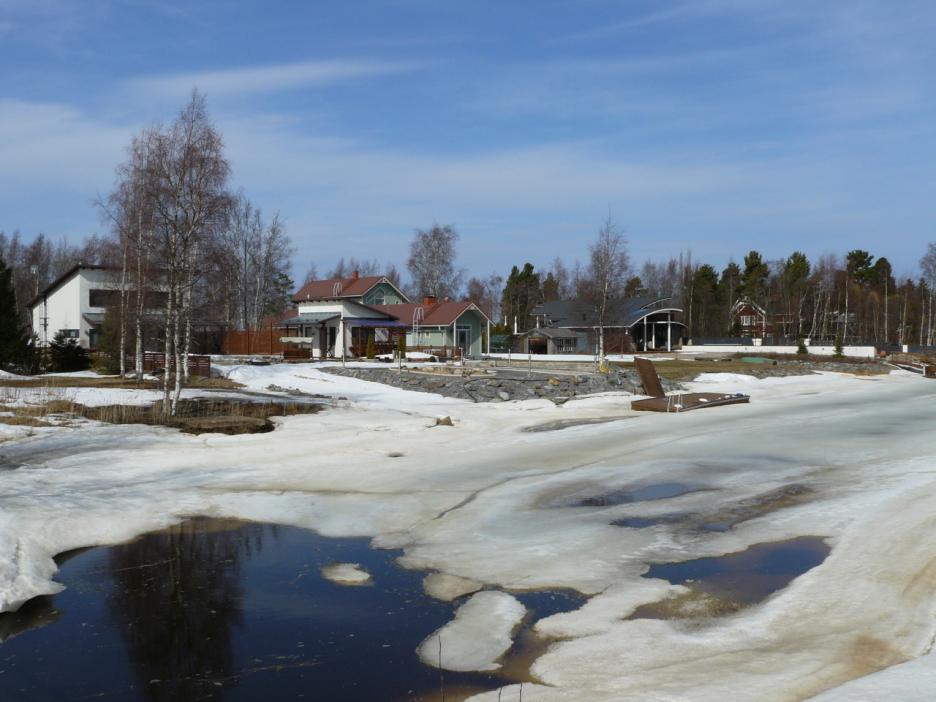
685	370
56	381
197	416
19	421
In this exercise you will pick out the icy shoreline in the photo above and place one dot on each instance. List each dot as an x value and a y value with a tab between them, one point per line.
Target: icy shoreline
470	500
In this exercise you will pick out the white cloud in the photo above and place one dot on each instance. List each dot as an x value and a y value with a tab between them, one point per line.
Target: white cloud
267	79
51	144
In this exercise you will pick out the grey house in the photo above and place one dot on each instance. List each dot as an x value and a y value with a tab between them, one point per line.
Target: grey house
633	324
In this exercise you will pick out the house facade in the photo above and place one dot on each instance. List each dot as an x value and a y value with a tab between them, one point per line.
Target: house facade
336	318
77	302
750	320
443	324
634	324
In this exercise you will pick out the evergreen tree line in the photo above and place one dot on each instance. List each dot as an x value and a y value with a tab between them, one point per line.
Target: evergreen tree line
852	299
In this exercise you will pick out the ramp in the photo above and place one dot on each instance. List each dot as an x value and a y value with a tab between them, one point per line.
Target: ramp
659	401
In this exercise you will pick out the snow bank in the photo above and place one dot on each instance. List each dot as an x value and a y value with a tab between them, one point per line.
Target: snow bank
477	637
313	381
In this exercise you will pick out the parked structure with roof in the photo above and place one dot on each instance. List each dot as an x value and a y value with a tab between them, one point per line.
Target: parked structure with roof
634	324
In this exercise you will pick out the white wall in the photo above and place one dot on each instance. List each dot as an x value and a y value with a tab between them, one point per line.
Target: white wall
345	308
64	307
852	351
60	310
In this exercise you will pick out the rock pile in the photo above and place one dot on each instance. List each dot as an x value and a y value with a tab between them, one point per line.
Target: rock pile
502	386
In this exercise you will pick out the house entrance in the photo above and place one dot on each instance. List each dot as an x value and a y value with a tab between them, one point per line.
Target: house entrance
463	340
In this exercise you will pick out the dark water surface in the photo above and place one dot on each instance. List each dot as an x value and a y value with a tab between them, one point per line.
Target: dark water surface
751	575
219	610
645	493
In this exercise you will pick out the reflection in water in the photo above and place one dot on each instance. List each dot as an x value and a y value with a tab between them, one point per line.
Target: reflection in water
720	585
190	576
221	610
36	613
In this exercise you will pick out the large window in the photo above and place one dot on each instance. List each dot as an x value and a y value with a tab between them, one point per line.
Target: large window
103	298
565	345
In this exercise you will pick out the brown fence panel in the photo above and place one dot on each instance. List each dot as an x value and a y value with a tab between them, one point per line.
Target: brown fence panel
197	365
258	341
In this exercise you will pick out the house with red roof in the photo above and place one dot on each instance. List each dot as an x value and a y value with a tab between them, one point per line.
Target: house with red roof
336	318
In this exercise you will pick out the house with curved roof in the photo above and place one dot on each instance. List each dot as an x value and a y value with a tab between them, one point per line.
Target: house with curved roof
632	324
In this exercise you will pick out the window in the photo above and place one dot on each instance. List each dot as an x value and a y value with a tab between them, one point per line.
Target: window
70	333
103	298
565	345
379	299
747	320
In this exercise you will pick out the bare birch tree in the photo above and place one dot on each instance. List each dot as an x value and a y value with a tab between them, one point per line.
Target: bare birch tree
608	268
254	258
187	175
431	262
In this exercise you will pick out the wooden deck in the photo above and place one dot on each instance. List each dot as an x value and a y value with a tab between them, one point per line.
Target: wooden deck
688	401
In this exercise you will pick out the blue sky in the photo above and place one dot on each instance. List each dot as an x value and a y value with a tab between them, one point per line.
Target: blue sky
710	126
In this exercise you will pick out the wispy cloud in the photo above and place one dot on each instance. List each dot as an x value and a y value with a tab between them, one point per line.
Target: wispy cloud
252	80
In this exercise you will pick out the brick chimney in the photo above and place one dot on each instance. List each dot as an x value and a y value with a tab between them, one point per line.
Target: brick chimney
355	275
430	300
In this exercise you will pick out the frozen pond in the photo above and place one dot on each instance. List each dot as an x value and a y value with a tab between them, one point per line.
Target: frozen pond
727	507
215	609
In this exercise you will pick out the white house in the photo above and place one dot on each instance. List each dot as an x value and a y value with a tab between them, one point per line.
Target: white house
77	302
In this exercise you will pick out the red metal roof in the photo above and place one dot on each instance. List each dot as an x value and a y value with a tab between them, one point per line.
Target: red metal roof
327	290
436	314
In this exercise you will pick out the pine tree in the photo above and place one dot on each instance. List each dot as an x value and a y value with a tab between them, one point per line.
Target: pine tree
16	349
67	355
839	351
109	341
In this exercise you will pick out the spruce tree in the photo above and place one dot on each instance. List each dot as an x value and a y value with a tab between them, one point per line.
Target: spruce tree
839	351
67	355
16	349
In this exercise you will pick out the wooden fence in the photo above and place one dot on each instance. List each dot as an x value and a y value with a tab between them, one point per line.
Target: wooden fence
197	365
257	341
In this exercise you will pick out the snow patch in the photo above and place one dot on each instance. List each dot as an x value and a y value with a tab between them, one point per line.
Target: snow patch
346	574
445	587
479	634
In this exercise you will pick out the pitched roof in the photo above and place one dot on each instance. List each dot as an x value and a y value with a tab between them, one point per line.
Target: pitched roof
334	288
64	278
436	314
